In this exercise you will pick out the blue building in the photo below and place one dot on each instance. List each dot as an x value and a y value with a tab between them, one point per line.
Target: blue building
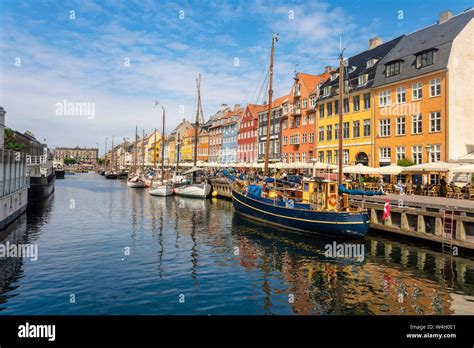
230	129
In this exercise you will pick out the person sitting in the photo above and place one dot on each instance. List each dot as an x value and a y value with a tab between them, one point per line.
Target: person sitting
400	187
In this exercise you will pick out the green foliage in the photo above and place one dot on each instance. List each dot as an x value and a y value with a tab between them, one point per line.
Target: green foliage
11	143
405	162
69	161
100	161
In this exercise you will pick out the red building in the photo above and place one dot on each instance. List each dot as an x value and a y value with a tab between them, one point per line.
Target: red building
247	145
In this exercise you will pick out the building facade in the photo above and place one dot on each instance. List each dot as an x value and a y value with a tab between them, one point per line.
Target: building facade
247	145
423	94
175	140
80	154
276	113
215	134
230	128
358	108
298	131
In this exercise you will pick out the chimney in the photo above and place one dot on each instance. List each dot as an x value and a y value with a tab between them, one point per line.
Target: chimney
327	69
374	42
223	107
444	16
236	107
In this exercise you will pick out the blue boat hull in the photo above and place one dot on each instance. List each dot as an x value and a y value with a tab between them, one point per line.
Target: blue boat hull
338	224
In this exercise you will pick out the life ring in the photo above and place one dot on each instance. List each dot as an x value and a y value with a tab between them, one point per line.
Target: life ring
332	200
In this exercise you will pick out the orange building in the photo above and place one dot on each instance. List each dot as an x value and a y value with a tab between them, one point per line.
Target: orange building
423	94
203	145
298	131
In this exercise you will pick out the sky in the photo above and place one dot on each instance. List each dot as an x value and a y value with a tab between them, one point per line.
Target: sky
77	72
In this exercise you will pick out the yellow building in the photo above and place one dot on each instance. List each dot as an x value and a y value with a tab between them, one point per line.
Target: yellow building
154	145
358	108
175	138
187	150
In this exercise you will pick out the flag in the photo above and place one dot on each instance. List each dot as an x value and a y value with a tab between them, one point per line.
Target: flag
386	210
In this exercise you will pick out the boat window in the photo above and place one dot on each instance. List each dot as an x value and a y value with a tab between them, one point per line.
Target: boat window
306	186
332	188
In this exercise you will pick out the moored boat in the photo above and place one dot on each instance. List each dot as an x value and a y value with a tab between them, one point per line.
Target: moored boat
193	190
136	182
42	177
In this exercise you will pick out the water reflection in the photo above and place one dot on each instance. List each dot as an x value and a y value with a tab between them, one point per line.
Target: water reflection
223	262
395	278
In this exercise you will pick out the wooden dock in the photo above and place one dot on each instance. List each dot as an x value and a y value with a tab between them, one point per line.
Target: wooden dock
422	217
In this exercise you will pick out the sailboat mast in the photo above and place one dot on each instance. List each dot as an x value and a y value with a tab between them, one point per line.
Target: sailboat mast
136	150
270	95
196	124
113	157
341	106
105	153
163	148
143	152
154	150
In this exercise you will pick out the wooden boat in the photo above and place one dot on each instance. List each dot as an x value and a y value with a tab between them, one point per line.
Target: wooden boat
315	207
193	190
136	182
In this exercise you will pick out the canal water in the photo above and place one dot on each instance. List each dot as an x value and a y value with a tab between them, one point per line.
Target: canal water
104	248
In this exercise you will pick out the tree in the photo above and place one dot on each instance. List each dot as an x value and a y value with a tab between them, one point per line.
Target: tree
69	161
11	143
100	161
405	162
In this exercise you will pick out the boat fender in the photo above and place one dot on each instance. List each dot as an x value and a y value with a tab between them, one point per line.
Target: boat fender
291	203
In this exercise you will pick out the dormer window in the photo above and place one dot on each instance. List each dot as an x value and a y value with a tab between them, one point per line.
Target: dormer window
362	79
326	91
393	69
334	76
371	62
424	59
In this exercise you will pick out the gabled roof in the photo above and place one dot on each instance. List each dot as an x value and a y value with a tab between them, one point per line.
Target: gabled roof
255	109
357	65
438	36
309	82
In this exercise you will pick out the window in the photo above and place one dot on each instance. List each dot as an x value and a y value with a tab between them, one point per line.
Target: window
305	103
356	102
345	158
401	152
367	101
435	153
424	59
417	90
285	140
297	157
384	98
329	132
384	127
417	124
326	91
297	121
367	127
346	105
385	153
435	121
321	156
435	87
417	154
371	62
321	134
312	101
356	129
321	111
336	107
329	108
401	95
311	137
401	125
336	156
291	157
304	138
393	69
336	131
304	120
311	118
362	79
345	130
328	156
